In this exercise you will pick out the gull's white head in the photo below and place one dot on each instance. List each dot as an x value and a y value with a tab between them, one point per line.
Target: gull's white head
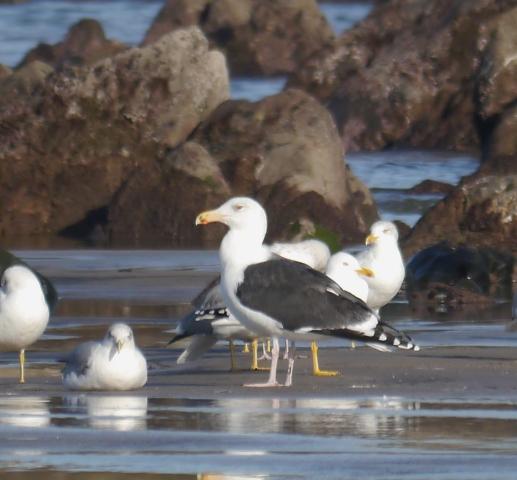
345	270
17	278
319	251
119	336
382	232
240	214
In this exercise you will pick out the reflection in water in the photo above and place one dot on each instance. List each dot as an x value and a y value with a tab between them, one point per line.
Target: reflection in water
24	411
267	438
118	412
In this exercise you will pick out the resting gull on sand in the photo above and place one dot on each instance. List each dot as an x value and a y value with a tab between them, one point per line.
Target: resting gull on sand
24	311
280	298
114	363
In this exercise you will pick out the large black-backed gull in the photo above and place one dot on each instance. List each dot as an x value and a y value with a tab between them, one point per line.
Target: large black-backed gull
211	321
275	297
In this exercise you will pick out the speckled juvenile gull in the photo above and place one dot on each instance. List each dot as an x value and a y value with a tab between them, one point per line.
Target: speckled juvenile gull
114	363
24	312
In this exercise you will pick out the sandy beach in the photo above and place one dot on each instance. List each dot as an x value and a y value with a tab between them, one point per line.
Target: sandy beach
455	372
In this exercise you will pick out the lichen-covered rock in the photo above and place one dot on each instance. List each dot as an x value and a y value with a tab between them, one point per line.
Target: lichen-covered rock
258	36
286	152
68	147
480	212
427	74
84	44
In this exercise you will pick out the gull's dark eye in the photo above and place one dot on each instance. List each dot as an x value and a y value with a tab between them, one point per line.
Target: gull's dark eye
386	230
238	207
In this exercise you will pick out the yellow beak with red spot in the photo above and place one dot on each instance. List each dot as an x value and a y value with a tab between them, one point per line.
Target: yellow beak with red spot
371	239
365	271
209	216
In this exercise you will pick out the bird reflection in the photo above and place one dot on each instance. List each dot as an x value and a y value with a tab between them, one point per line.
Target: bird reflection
111	412
320	416
30	411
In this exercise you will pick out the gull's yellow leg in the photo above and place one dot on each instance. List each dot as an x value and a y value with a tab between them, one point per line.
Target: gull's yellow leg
232	359
268	345
353	344
22	365
254	359
316	366
246	348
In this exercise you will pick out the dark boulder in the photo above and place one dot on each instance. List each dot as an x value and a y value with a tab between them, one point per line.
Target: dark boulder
431	186
454	276
419	73
480	212
68	147
258	36
283	150
84	44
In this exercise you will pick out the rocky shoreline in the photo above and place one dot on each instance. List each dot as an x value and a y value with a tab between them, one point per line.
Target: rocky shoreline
98	139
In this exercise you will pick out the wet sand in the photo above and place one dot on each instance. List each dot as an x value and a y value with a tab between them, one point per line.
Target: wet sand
439	373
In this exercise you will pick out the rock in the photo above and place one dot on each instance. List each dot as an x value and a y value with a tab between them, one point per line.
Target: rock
285	151
455	276
161	200
23	81
258	36
496	82
403	228
4	71
480	212
84	44
483	270
424	74
69	147
431	186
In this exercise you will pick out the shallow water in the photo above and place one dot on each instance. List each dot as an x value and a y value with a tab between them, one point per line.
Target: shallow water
267	438
390	173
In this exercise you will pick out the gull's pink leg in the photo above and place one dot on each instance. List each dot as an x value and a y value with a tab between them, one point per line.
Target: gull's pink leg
290	365
275	352
265	355
286	350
